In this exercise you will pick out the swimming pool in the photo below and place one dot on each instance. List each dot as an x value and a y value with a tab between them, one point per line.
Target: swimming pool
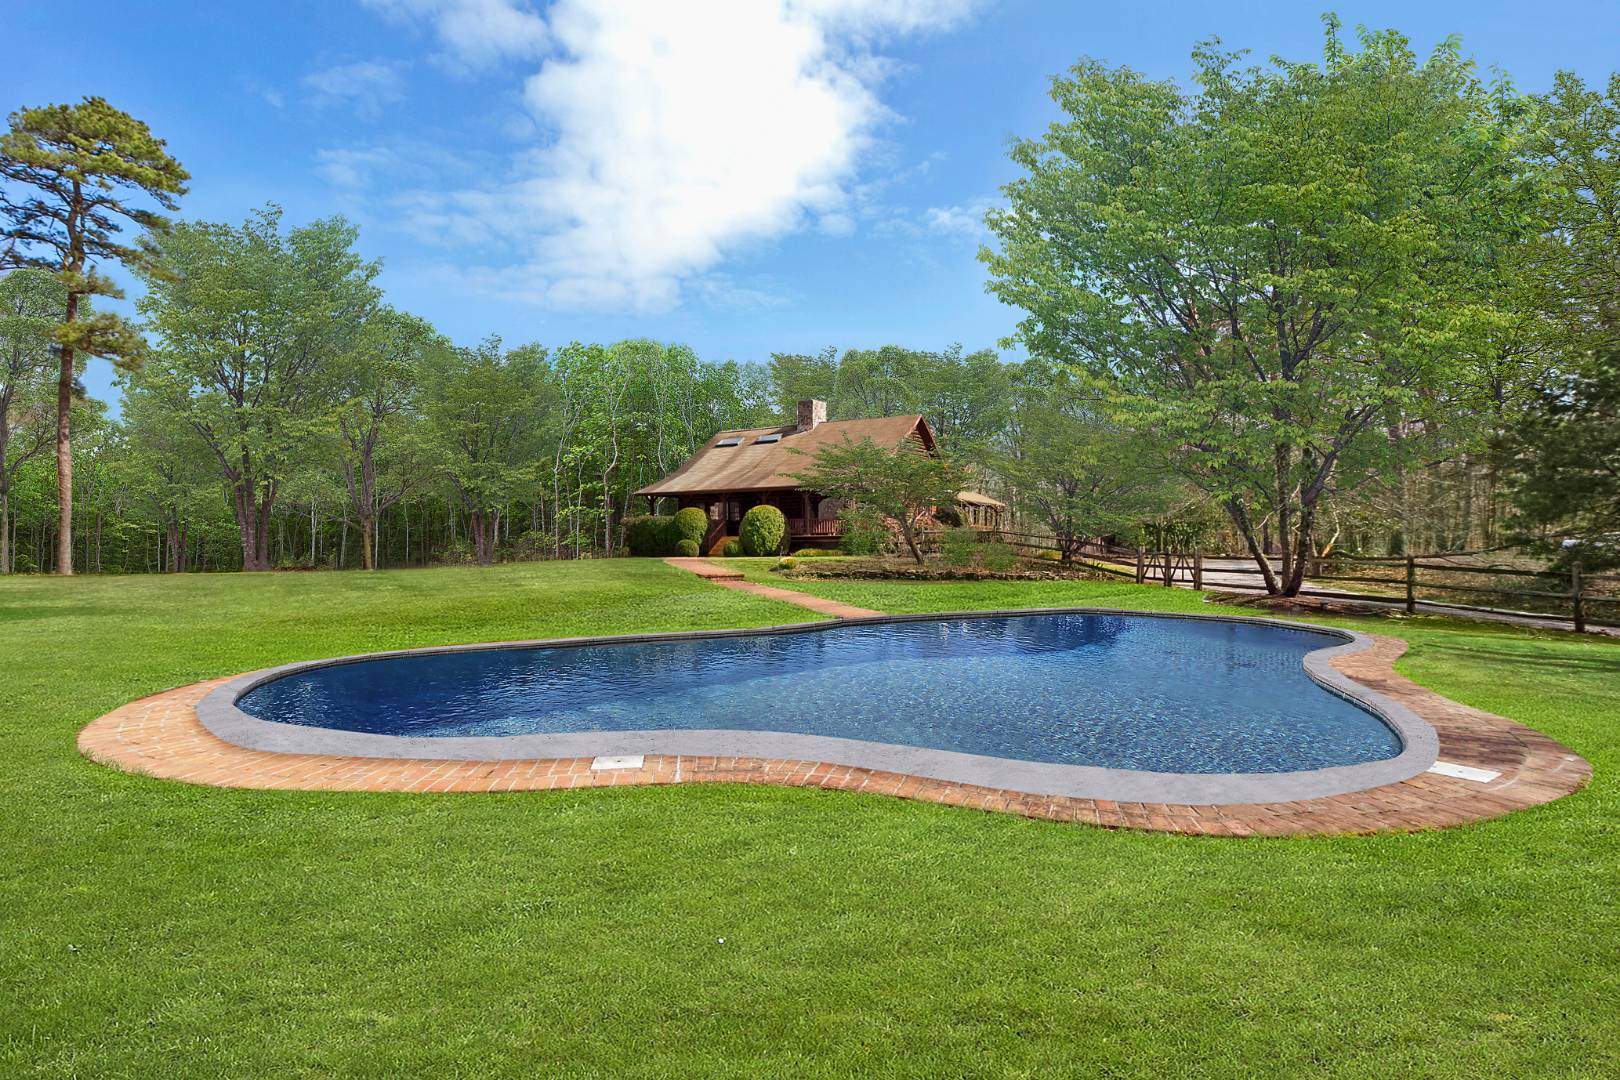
1077	689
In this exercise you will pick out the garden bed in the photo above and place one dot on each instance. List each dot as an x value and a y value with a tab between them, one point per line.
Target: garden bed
899	569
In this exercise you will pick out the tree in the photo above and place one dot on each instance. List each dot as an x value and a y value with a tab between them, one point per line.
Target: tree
74	168
379	455
1273	271
1576	256
484	409
1075	469
964	398
30	306
904	483
170	472
253	325
1567	473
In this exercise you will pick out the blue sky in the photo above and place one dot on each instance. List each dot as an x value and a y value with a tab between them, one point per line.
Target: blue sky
744	176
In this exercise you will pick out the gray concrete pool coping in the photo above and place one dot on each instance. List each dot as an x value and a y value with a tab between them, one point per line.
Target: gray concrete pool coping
219	714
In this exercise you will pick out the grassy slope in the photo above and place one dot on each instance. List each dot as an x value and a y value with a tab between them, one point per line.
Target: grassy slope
151	929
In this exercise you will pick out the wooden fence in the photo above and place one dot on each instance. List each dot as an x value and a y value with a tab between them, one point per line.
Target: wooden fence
1586	600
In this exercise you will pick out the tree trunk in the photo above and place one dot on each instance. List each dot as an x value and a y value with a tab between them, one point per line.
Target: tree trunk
1240	521
911	539
5	521
243	503
368	559
64	451
1294	577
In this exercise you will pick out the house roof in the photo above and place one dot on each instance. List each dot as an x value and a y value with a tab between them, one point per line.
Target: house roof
756	466
978	498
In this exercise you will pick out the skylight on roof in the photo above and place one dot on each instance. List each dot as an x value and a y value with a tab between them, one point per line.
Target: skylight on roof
775	436
731	440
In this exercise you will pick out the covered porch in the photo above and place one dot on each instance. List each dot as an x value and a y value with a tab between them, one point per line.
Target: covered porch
810	518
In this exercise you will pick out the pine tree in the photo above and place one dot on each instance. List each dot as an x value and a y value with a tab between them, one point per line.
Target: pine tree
70	171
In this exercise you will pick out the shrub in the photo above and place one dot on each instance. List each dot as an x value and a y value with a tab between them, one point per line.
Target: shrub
787	563
763	529
648	535
815	553
732	549
688	548
949	517
689	524
998	555
959	546
862	530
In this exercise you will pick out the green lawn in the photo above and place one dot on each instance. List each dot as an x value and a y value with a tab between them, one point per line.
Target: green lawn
153	929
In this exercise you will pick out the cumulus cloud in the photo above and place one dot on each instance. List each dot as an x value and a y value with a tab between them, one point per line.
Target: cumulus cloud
367	86
474	33
671	134
966	219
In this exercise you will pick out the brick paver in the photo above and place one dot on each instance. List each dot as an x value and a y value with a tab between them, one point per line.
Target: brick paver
733	579
160	736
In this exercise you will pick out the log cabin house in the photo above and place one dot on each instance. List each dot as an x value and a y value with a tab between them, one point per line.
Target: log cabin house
737	470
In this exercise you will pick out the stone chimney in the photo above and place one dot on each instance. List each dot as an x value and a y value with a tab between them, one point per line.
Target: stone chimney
811	413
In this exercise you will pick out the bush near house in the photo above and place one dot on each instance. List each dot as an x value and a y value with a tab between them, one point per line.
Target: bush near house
762	531
732	549
687	548
649	534
689	524
862	530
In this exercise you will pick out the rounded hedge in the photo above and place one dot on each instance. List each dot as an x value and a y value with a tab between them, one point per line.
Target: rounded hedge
687	548
689	524
732	549
762	531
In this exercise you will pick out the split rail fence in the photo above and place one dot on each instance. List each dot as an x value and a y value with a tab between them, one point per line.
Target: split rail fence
1586	600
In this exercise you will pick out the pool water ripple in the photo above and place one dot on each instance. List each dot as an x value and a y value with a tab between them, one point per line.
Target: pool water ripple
1126	692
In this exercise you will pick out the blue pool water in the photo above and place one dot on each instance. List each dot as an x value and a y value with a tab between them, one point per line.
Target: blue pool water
1136	692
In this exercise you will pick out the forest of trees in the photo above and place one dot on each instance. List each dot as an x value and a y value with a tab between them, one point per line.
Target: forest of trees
1340	305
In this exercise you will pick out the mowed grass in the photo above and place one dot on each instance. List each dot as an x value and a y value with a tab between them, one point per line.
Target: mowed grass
155	929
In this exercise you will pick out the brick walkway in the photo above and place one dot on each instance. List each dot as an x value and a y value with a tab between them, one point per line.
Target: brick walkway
733	579
160	736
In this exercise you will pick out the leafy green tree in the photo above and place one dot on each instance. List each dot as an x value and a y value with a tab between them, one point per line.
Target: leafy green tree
963	398
1075	469
903	483
72	171
171	476
254	324
381	455
1272	270
484	408
30	306
1576	255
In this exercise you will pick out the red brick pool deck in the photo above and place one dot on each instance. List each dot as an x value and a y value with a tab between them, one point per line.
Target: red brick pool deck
160	736
728	578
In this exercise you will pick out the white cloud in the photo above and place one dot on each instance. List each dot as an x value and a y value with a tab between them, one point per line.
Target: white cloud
474	33
963	220
366	85
672	134
355	167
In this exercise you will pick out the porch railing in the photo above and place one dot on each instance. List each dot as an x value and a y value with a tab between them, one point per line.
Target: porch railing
812	526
